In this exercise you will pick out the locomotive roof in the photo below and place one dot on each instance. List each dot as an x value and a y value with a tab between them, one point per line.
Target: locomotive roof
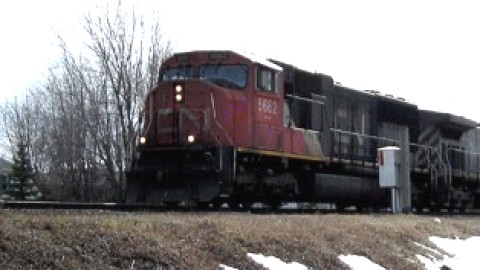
377	94
290	69
450	120
251	57
261	61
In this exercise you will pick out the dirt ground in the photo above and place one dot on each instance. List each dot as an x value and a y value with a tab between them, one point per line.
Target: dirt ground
61	239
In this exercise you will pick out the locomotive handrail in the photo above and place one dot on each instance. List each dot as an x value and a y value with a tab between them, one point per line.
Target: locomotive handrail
166	111
183	111
382	139
161	112
463	151
449	164
431	165
150	116
206	126
467	154
304	99
352	134
363	135
214	116
209	130
430	149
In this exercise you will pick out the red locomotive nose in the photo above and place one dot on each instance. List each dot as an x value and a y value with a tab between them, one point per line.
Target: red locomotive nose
180	113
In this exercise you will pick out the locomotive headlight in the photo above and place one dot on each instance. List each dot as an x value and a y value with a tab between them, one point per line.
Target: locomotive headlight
191	138
178	88
178	93
143	140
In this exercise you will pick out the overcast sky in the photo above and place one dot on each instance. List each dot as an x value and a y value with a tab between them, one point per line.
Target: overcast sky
425	51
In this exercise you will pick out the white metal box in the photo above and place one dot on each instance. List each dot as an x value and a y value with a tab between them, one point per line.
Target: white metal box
389	166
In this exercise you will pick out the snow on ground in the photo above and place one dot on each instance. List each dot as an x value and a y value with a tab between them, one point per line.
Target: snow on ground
270	263
226	267
356	262
273	263
456	254
460	254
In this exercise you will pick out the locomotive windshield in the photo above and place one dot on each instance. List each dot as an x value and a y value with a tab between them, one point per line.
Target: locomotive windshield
229	76
179	73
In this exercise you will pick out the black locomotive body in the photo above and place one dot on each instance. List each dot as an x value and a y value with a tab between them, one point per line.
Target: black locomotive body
317	143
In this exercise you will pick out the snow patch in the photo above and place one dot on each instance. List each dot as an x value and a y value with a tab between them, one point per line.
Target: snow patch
430	250
458	254
359	262
455	254
226	267
269	263
429	263
273	263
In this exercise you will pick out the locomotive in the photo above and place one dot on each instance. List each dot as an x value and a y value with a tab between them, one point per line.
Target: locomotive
222	127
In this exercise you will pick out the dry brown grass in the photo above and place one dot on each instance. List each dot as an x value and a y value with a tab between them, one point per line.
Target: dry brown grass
96	240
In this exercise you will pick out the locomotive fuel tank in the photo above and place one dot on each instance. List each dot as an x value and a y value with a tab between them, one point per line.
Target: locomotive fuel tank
354	190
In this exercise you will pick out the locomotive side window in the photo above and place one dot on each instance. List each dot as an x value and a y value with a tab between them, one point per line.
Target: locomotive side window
229	76
178	73
266	79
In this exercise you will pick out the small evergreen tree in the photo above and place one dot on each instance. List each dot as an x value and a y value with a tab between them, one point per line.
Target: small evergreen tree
21	184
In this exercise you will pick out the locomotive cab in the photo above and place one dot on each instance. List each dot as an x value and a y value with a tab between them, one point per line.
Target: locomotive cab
200	111
202	98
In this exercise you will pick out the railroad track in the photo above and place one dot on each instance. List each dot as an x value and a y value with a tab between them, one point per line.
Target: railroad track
140	207
164	208
77	205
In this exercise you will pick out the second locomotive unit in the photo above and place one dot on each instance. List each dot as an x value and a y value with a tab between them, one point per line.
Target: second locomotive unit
221	127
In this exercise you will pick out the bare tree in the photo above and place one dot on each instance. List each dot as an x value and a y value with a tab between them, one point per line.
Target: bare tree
123	67
82	123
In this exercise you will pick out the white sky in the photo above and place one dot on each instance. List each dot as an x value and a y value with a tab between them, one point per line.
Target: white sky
425	51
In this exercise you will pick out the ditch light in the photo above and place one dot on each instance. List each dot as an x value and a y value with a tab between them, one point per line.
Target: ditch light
179	93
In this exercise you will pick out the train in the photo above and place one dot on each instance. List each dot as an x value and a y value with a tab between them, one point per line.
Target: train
224	128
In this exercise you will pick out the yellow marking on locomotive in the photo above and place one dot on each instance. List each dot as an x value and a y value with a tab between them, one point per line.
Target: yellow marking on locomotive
279	154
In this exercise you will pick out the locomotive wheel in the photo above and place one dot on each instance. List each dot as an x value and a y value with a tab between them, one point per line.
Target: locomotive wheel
275	205
239	205
435	209
170	204
247	205
217	205
203	205
340	207
234	205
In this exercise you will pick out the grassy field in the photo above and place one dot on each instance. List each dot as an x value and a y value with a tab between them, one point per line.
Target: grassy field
56	239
